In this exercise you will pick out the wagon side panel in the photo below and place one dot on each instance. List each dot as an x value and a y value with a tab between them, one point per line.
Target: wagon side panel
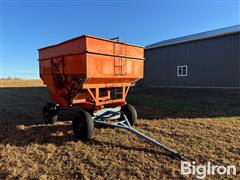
106	47
109	69
64	76
75	46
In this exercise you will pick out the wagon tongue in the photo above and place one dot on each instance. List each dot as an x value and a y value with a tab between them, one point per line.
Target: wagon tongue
101	117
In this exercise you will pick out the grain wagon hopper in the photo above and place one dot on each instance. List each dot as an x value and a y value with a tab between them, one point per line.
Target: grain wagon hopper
94	74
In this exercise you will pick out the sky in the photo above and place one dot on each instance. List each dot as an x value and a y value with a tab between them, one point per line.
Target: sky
29	25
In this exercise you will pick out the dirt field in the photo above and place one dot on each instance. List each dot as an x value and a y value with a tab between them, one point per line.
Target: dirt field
204	125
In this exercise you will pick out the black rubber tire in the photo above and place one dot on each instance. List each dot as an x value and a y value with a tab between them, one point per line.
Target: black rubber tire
50	113
131	113
83	126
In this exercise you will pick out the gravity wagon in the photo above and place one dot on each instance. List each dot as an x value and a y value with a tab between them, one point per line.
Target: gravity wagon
94	74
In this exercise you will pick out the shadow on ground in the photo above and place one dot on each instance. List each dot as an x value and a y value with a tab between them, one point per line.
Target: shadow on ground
162	103
21	104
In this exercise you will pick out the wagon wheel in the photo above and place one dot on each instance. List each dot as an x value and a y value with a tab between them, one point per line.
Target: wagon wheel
50	113
83	126
130	113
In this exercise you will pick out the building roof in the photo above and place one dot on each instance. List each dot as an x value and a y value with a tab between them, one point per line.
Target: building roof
198	36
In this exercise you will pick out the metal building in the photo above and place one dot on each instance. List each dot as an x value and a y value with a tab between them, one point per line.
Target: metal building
208	59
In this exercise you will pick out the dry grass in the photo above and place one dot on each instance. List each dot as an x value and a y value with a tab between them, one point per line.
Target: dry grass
31	149
21	83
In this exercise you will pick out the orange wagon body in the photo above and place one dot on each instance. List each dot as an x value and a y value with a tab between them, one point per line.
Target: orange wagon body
91	72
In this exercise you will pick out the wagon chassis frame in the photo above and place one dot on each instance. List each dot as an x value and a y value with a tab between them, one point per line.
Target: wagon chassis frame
97	102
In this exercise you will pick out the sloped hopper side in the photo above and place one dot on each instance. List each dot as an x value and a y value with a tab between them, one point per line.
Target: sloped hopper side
90	71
